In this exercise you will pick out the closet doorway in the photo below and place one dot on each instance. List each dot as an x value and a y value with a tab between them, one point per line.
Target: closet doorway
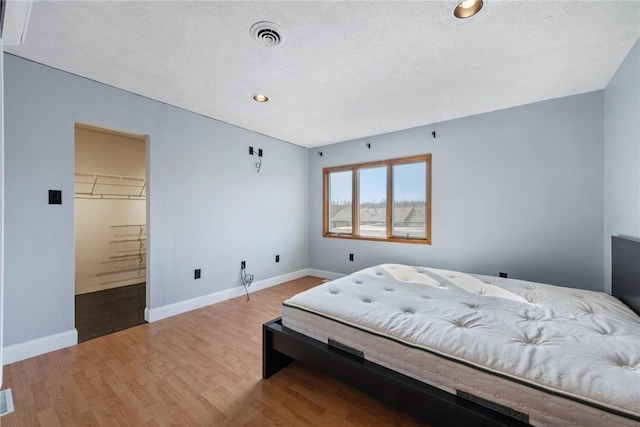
110	231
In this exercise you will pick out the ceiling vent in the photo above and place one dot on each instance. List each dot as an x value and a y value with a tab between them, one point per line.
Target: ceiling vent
266	33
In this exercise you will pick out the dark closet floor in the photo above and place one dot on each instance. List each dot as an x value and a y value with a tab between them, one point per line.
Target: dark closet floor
112	310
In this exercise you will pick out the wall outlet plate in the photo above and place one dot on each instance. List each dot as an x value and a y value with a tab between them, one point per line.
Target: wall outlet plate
503	275
277	258
350	257
197	273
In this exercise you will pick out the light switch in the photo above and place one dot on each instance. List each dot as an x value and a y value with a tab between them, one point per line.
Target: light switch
55	197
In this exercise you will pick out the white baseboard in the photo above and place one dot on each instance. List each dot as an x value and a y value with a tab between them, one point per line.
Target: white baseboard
25	350
154	314
325	274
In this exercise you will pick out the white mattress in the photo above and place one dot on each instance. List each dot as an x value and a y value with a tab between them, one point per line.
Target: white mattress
563	356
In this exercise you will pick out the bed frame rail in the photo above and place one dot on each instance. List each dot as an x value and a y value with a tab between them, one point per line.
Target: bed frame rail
281	346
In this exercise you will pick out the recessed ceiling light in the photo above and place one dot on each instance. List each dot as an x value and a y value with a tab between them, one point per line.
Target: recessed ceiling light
467	8
260	98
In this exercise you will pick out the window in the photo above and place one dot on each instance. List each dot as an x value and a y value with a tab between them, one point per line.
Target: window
387	200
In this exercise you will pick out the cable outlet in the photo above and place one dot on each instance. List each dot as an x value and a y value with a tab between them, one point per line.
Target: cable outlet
277	258
503	275
350	257
197	273
243	264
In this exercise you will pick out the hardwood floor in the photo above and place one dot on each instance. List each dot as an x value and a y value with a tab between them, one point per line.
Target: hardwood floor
108	311
201	368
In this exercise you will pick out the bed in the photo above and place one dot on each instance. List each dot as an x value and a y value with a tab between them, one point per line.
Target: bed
459	349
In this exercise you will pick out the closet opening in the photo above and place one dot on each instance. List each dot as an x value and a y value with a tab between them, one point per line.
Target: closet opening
110	231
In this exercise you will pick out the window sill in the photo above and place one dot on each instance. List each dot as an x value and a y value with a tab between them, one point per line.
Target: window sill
379	239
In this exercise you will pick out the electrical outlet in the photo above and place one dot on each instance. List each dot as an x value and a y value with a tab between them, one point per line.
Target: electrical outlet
243	264
259	152
197	273
503	274
350	257
251	150
277	258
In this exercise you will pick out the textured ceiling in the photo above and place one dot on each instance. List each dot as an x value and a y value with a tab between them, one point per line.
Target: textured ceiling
345	69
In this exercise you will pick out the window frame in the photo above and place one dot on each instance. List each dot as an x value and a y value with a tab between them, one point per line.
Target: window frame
355	200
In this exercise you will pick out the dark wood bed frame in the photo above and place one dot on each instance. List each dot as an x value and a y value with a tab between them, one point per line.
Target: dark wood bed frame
282	346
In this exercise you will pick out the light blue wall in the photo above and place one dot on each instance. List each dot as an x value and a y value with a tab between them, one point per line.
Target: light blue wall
1	202
209	208
518	190
622	154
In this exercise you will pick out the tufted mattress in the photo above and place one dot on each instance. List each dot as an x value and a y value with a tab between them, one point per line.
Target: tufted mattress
561	356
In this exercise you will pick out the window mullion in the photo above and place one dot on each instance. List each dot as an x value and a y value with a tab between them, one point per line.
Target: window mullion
428	200
355	212
389	200
325	203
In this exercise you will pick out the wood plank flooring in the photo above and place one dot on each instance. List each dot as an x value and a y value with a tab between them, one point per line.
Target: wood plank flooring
111	310
201	368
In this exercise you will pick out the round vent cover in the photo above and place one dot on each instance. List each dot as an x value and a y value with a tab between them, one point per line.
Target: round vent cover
266	33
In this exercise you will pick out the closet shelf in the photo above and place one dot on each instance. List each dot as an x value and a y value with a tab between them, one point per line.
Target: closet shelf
98	186
126	256
133	255
123	260
143	239
128	270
